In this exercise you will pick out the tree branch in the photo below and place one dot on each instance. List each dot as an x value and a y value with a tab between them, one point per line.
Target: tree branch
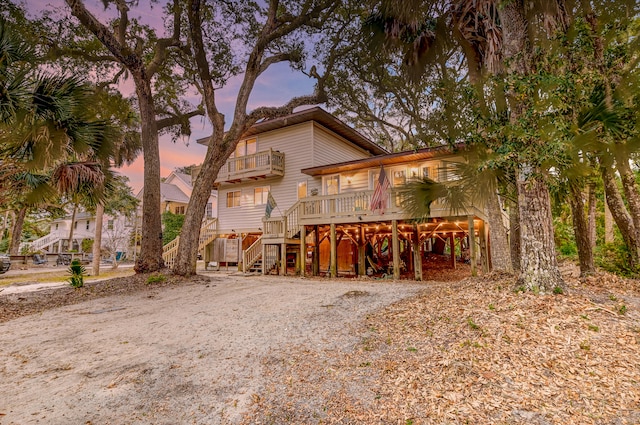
121	51
163	44
177	119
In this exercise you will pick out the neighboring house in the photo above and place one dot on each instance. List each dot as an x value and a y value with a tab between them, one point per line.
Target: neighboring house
84	226
175	192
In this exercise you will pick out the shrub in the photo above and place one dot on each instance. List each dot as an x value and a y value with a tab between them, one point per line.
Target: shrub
156	278
77	271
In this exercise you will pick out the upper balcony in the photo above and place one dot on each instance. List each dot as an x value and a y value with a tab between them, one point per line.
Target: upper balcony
252	167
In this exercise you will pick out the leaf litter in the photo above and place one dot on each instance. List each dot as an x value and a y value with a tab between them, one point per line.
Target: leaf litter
473	351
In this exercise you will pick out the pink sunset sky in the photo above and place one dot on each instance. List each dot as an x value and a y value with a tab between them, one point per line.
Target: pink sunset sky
273	88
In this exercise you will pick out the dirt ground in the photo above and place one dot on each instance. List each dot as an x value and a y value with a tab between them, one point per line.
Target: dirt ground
170	353
226	349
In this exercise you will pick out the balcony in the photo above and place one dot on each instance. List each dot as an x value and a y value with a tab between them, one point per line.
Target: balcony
355	207
252	167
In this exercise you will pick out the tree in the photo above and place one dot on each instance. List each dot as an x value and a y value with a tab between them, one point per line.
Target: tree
152	67
272	35
505	43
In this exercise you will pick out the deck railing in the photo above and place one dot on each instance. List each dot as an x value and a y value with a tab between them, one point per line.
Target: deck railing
286	226
258	164
251	255
207	234
346	207
351	204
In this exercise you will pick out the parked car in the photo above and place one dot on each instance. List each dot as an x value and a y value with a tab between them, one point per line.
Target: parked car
5	263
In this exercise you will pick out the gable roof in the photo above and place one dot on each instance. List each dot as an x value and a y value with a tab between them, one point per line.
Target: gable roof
375	161
171	193
186	178
320	116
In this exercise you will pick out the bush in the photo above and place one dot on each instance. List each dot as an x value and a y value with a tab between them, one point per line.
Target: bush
77	271
156	278
614	258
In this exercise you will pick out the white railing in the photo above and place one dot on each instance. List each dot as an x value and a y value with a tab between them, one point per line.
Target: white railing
207	234
267	162
45	241
284	227
251	255
345	205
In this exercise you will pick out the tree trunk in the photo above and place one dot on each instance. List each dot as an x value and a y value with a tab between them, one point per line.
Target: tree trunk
514	235
16	231
187	255
5	225
581	231
538	264
621	216
608	222
150	258
73	220
500	250
629	187
97	240
591	208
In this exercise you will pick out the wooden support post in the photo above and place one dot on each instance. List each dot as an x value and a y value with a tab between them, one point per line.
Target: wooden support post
333	262
302	258
452	247
362	243
395	247
484	252
417	254
283	259
264	259
315	266
472	246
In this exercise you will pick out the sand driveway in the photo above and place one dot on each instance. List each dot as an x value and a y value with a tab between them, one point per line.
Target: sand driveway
179	355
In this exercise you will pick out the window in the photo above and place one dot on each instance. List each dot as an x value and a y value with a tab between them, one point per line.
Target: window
374	175
233	199
109	224
399	177
75	226
244	148
302	189
57	226
332	185
428	172
260	195
87	226
208	212
181	209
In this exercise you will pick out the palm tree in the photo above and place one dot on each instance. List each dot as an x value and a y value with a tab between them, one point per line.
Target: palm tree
496	41
52	142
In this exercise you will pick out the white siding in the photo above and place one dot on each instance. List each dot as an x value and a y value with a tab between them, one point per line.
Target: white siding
296	143
329	148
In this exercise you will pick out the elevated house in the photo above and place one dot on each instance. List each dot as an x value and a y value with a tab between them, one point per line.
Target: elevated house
115	232
318	176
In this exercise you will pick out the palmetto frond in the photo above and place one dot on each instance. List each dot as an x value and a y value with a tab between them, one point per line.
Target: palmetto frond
78	177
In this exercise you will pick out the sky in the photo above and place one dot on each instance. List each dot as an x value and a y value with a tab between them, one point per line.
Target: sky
273	88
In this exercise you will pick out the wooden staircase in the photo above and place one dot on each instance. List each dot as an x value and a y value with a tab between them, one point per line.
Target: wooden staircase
207	235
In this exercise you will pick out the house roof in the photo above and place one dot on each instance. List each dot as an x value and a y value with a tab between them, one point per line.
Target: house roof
375	161
184	177
320	116
171	193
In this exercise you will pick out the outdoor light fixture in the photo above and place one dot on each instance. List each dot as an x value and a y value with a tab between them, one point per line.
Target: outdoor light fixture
360	217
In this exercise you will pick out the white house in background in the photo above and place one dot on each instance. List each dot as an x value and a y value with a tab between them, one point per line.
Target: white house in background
175	192
116	232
